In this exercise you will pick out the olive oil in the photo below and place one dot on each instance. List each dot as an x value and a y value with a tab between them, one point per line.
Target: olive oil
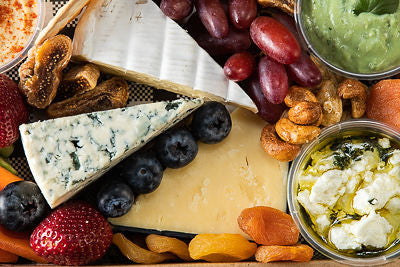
343	154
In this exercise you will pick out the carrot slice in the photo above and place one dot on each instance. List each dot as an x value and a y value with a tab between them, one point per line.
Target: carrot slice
7	177
19	244
7	257
14	242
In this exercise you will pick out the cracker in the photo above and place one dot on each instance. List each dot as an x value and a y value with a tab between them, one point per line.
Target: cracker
64	15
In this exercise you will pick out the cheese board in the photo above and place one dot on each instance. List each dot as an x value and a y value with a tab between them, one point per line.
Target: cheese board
160	131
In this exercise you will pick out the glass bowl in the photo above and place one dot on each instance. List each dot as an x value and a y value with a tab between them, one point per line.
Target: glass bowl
362	127
22	55
331	66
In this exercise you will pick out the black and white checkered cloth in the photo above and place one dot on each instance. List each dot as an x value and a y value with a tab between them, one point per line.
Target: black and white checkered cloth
138	94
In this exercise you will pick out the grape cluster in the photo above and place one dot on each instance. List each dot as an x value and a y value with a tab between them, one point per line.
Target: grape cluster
263	51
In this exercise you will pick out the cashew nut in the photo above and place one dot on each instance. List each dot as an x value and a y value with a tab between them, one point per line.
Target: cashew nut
357	93
319	121
275	147
325	72
305	113
346	115
296	134
332	106
285	114
297	94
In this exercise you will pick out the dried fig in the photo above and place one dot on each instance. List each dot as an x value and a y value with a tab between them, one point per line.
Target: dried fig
110	94
41	73
78	80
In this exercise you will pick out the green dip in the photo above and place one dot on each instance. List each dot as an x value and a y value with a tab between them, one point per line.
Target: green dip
366	43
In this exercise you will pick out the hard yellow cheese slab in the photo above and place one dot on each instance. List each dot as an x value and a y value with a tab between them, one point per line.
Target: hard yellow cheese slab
208	195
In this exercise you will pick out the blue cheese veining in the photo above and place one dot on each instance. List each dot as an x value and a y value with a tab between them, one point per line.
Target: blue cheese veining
66	154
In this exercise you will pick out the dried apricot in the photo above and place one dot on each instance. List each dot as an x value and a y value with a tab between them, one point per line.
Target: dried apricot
221	248
162	244
383	102
284	253
268	226
138	254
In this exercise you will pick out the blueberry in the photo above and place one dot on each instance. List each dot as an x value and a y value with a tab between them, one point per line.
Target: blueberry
115	199
176	148
142	171
22	206
211	123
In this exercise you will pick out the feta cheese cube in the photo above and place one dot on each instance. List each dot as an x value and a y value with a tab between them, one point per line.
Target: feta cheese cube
328	188
375	195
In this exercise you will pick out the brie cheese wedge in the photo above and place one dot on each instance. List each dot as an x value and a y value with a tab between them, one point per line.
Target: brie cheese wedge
66	154
134	39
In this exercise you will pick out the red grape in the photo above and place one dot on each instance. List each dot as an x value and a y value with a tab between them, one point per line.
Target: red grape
176	9
239	66
289	23
242	13
194	26
275	40
225	6
286	21
236	41
304	71
213	17
266	110
273	80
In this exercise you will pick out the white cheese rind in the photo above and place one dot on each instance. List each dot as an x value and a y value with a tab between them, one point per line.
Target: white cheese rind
136	40
66	154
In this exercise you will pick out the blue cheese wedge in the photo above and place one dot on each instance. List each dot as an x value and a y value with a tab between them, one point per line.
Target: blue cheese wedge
134	39
66	154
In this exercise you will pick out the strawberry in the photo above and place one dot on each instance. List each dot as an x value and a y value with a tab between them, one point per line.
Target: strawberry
74	234
13	111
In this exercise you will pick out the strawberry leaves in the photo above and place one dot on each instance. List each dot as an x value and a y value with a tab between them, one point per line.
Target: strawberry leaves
377	7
